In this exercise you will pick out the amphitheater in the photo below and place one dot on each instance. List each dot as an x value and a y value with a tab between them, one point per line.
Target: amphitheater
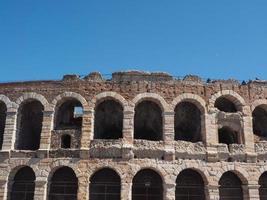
133	136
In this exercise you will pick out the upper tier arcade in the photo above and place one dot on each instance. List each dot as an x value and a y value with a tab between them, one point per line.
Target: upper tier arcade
135	115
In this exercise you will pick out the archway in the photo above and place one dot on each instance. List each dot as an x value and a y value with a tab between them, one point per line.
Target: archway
230	187
23	184
147	185
105	184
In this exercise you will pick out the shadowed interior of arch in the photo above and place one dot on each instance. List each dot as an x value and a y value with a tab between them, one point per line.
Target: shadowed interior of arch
63	184
226	105
187	122
230	187
108	120
30	118
148	121
105	184
3	110
147	185
189	185
23	184
263	186
227	136
260	123
69	114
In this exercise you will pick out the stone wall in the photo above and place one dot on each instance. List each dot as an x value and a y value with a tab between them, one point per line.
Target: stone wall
127	155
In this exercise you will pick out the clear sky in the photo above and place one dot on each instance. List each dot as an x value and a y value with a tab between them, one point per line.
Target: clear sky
44	39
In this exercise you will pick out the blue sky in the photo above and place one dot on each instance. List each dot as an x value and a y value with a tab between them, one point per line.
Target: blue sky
210	38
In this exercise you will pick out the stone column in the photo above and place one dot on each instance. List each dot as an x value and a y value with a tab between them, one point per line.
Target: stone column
252	192
168	135
86	134
46	130
128	133
249	139
87	126
40	190
10	131
126	191
169	191
83	189
212	192
211	136
3	189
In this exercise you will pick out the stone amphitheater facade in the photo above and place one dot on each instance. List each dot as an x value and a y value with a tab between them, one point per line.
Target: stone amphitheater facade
135	122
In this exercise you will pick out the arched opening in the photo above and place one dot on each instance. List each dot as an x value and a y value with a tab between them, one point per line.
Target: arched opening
30	119
228	136
230	187
260	122
147	185
263	186
189	185
63	185
69	114
187	122
3	110
65	141
105	184
108	120
225	105
148	121
23	184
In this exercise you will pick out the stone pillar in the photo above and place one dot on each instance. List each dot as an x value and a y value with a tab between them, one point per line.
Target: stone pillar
10	131
249	139
211	136
252	192
168	135
46	130
128	133
87	126
3	189
40	190
126	191
83	189
212	192
169	191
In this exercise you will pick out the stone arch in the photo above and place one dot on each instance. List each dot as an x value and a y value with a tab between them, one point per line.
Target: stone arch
63	178
192	98
156	169
204	174
190	184
69	100
262	181
29	122
150	183
109	108
109	95
21	181
73	95
33	96
156	98
57	165
104	166
233	97
16	168
241	173
11	106
258	102
149	116
259	119
103	180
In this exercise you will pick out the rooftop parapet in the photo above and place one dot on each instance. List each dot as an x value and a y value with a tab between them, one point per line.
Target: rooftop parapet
140	76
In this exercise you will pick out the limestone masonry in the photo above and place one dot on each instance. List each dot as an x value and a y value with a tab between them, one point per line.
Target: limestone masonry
136	136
